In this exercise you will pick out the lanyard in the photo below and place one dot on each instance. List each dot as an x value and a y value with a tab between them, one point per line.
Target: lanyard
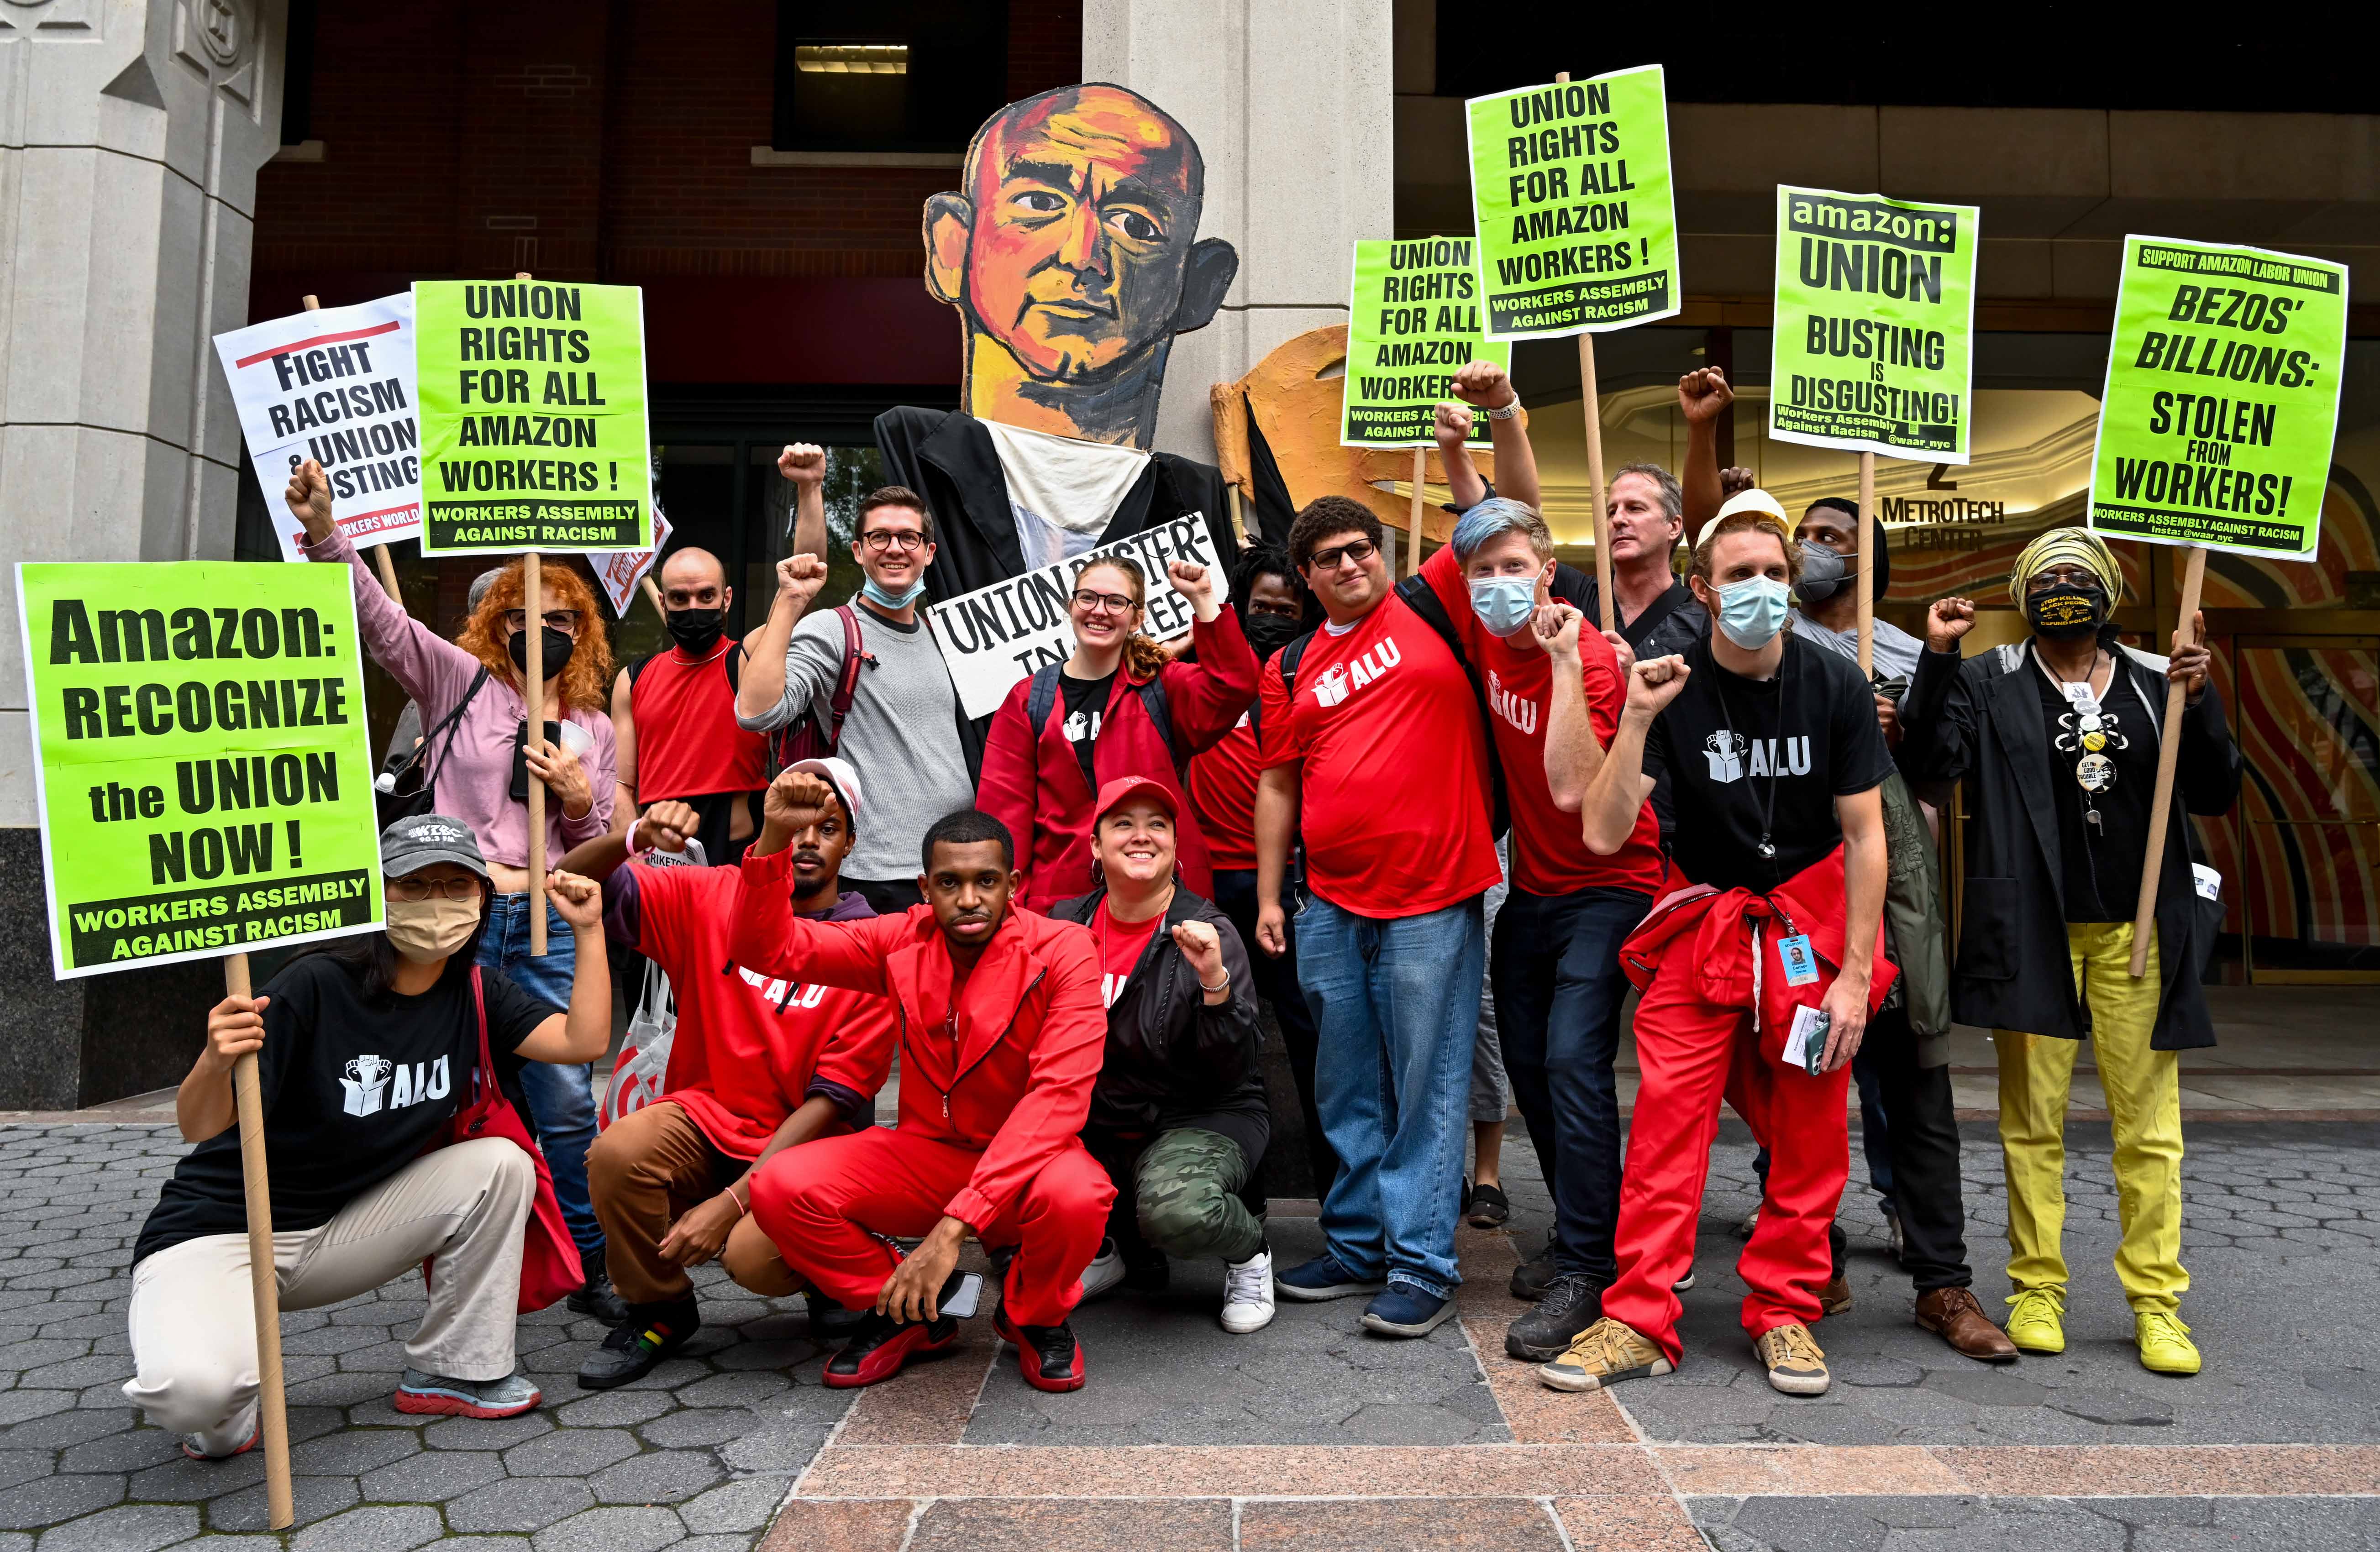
1767	847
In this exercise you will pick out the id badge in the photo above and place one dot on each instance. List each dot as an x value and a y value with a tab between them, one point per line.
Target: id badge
1801	965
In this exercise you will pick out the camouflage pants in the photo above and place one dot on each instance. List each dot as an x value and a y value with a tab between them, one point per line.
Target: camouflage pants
1186	1188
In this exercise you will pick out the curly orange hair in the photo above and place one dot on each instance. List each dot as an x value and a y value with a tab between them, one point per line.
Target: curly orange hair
587	681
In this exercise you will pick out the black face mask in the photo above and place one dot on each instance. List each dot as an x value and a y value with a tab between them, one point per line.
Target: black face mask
696	630
1269	634
2067	612
557	651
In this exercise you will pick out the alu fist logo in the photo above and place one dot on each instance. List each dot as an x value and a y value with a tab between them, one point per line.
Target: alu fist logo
373	1082
1725	752
1331	688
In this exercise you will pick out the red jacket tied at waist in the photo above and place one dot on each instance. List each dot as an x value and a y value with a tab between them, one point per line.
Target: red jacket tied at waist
1007	1072
1715	928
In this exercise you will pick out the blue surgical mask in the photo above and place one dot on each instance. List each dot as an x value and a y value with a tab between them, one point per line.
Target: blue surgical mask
1504	604
1752	611
878	596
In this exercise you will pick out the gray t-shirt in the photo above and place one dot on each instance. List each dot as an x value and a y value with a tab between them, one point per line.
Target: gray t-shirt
1895	653
902	735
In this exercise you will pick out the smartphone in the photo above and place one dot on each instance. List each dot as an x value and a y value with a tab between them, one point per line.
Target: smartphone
960	1302
1814	1052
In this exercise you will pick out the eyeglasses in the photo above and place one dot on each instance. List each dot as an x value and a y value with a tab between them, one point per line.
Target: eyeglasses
563	620
881	540
1359	551
1090	602
2061	575
413	889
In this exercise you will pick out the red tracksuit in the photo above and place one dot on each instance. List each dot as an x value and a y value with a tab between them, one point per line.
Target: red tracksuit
994	1091
1697	1037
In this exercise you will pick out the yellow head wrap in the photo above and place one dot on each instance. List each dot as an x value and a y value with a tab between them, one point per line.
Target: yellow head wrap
2068	547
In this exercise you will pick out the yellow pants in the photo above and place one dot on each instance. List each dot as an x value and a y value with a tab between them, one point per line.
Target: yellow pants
2143	1090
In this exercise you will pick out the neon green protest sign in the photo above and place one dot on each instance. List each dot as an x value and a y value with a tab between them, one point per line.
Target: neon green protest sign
532	403
1412	323
205	772
2221	405
1873	345
1569	192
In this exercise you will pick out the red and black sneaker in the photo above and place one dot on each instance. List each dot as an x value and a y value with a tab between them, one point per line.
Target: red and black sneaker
881	1345
1048	1357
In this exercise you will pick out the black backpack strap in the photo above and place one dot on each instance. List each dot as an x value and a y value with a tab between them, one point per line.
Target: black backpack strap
1422	599
735	668
1572	587
1160	714
1290	657
1040	699
450	724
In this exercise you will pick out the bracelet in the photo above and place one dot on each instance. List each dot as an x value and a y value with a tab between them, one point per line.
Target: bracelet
740	1208
1218	986
1511	408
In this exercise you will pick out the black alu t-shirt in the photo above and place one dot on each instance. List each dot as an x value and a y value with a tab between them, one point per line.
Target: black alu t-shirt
1732	747
2100	864
1086	702
353	1092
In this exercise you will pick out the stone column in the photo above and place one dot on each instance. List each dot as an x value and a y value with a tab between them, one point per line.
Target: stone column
1291	102
133	131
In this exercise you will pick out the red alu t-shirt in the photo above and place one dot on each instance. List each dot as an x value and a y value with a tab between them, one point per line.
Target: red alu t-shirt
1549	858
1394	767
1223	793
1119	948
747	1045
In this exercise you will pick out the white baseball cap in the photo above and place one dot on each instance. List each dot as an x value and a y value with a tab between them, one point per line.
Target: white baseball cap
838	773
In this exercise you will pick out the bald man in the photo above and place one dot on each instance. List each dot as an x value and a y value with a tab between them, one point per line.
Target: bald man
1072	258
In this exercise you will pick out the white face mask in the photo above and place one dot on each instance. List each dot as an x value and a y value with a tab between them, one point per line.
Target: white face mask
426	931
1752	611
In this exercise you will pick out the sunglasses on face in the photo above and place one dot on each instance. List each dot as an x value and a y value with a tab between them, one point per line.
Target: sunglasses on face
1359	551
563	620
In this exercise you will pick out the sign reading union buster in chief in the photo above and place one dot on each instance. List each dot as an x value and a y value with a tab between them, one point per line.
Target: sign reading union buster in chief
2222	399
1570	190
534	431
205	780
1875	309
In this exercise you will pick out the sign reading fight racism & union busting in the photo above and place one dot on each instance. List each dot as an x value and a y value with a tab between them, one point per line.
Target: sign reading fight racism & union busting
1570	190
533	432
996	635
1876	308
335	385
206	781
1412	323
2222	399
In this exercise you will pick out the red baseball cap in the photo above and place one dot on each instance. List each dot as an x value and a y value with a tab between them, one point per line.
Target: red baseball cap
1124	789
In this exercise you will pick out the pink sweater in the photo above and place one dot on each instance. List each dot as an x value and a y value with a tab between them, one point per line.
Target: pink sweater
473	779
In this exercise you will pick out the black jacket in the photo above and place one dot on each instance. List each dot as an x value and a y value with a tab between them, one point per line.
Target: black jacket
1169	1057
948	458
1669	625
1981	719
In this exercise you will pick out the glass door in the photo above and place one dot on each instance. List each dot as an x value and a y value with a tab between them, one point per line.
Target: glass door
2306	711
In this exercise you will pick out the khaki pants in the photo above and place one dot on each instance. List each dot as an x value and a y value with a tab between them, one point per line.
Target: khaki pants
648	1169
194	1314
2144	1088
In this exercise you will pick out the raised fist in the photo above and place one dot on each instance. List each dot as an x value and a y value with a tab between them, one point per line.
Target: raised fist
1484	384
1451	428
667	824
1733	481
1193	581
796	800
804	463
1655	683
309	499
1950	619
1202	948
1555	630
799	578
1703	392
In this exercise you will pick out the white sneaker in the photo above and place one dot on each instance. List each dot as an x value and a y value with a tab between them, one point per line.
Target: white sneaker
1248	1292
1105	1271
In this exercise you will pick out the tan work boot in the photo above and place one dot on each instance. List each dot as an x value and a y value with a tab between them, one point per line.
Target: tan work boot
1796	1363
1605	1353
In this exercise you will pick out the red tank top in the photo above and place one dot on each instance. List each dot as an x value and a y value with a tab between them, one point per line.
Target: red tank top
688	743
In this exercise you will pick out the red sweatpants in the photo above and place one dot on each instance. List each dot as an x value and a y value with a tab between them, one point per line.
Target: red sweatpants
1692	1050
822	1203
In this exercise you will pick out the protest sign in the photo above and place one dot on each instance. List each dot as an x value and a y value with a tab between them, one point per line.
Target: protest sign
1873	347
335	385
620	571
2221	402
205	780
1570	191
1412	323
996	635
533	433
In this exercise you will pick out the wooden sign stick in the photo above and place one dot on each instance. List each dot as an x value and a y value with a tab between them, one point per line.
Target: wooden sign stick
1412	523
264	1278
380	551
1590	402
2194	578
1867	531
533	695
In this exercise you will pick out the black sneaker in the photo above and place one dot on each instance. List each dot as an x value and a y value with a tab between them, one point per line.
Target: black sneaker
1570	1306
596	1296
650	1333
1048	1357
1532	1277
830	1322
879	1345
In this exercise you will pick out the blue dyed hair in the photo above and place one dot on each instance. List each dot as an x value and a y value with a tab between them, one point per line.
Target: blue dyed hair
1493	518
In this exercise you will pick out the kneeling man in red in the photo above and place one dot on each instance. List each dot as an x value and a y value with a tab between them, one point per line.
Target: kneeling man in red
1000	1025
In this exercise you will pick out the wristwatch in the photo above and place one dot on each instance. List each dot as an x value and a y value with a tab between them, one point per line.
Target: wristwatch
1511	408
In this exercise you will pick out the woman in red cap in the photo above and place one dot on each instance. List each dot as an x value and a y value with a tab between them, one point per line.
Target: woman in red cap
1117	707
1179	1118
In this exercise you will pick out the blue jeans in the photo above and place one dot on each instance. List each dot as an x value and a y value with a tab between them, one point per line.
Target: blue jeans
1558	994
1396	1010
560	1099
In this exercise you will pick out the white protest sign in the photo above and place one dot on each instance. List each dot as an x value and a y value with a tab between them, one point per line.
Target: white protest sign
996	635
620	570
335	385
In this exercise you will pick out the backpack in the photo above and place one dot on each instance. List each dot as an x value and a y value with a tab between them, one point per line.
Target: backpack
410	790
1042	697
803	738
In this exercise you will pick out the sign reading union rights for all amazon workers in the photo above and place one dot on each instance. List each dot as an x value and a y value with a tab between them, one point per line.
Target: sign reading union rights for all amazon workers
1412	323
2222	398
534	431
1570	188
1875	310
206	781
